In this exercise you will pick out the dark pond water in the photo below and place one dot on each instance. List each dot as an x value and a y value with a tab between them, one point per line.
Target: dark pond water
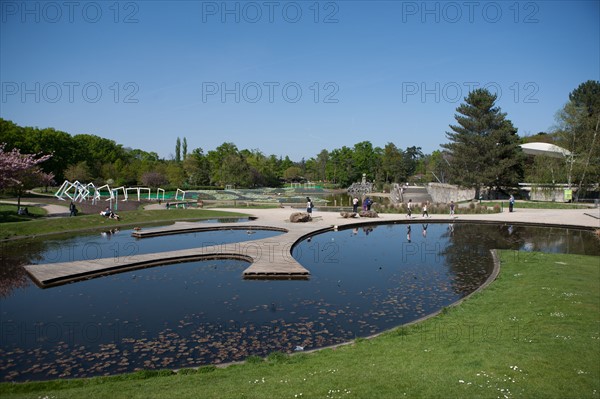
362	281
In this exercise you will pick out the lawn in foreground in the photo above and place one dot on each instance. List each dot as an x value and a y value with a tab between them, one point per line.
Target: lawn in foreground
8	213
534	332
86	222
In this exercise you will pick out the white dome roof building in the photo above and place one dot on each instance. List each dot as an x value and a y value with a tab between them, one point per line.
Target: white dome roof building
549	150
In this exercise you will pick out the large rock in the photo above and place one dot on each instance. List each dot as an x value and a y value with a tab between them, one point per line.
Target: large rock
368	214
298	217
347	215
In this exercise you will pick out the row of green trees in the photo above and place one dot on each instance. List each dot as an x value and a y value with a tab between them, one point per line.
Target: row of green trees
87	157
482	152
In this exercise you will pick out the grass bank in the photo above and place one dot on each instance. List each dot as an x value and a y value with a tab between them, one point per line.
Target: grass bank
533	332
8	213
40	226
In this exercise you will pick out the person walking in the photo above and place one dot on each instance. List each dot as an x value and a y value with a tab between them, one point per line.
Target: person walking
511	203
73	209
355	205
309	205
409	209
425	213
452	205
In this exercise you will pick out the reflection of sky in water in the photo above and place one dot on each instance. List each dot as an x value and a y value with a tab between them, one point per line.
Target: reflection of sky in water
362	281
115	243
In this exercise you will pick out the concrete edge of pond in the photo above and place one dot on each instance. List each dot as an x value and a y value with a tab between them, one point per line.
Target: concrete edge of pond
197	227
271	258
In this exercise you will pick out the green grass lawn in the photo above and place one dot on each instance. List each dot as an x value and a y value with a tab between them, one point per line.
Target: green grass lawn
8	213
533	333
537	205
85	222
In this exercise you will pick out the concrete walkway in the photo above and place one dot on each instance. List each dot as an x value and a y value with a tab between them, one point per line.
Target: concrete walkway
271	257
558	217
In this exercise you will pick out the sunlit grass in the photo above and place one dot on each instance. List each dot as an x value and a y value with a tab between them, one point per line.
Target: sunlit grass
128	219
8	213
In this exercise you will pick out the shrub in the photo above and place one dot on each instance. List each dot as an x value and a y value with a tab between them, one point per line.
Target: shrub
143	374
277	357
401	331
254	359
187	371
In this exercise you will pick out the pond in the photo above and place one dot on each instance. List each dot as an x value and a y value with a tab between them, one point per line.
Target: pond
363	281
115	243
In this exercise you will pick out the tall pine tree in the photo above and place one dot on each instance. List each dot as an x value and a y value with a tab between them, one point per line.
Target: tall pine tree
484	146
178	150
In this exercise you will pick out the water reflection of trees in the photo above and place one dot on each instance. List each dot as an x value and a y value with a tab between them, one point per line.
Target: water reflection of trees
468	250
468	254
13	256
561	240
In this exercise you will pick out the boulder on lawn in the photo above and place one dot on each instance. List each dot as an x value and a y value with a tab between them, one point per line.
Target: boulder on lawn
368	214
347	215
300	217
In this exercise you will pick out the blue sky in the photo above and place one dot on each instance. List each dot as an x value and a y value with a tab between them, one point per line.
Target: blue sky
288	78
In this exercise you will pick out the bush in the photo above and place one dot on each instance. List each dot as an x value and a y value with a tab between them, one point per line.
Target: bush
187	371
437	208
144	374
254	359
277	357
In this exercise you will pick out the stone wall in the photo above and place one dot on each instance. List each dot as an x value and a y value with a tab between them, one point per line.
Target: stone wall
444	193
547	194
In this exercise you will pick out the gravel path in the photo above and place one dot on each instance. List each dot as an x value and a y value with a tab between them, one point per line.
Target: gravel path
51	210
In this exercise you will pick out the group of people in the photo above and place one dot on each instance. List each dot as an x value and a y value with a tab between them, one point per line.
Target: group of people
425	212
366	205
108	213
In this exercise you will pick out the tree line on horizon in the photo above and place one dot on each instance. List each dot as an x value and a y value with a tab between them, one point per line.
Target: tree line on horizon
90	158
482	152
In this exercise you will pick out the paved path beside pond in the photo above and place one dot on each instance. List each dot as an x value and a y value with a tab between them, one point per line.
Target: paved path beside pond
271	257
559	217
51	209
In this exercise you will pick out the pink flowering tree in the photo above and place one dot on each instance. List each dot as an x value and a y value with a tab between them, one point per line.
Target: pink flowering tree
20	172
